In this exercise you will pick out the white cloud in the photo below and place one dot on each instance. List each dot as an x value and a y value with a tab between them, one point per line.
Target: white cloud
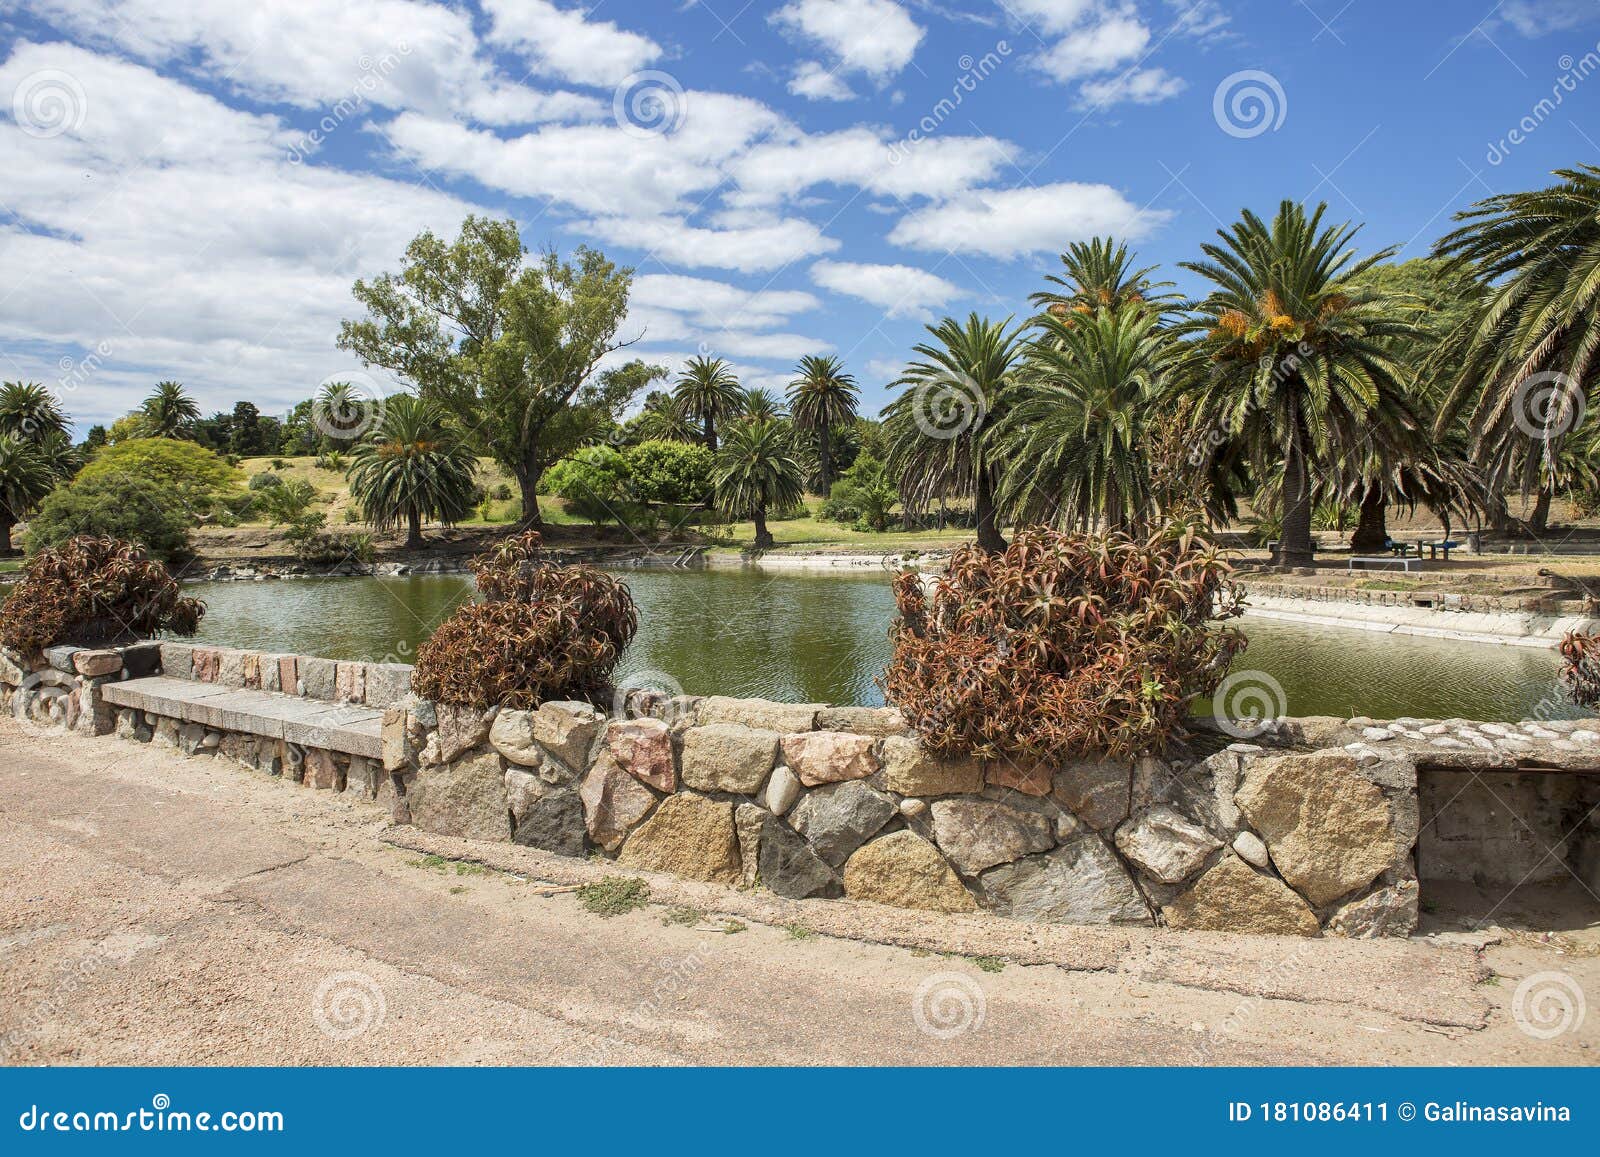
1137	85
899	290
310	54
875	37
1535	18
935	168
1101	45
1014	222
1094	48
814	82
564	43
717	304
173	231
750	248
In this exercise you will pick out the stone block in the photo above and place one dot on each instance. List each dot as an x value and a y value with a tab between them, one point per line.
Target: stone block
350	682
819	757
317	677
177	660
911	769
387	683
728	757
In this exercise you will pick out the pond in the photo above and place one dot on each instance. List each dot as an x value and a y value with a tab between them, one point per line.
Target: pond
822	638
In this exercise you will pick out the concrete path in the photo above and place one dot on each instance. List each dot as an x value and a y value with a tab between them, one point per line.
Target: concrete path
163	910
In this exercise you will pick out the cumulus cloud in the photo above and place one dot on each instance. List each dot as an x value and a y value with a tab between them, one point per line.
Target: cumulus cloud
1137	86
566	43
173	232
875	37
310	54
749	248
899	290
718	304
814	82
1016	222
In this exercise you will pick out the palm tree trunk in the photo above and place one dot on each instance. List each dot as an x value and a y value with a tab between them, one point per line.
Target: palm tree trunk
826	459
413	529
1296	548
764	539
1372	530
989	536
1539	520
5	536
711	434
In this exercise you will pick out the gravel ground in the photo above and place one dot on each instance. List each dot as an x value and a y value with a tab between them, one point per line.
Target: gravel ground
163	910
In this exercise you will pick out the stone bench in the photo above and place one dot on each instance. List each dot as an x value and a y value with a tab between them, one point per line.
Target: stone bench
349	728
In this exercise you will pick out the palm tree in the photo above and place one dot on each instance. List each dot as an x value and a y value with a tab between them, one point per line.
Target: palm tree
1099	274
1075	437
821	397
939	431
663	418
24	481
762	404
168	412
756	472
1291	359
1525	363
412	467
30	412
708	392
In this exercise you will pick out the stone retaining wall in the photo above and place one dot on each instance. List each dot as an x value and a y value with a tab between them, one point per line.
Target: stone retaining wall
1311	827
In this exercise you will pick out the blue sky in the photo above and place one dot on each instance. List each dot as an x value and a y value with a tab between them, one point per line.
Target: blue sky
190	187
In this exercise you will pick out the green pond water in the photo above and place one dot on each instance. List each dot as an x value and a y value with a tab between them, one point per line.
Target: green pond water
823	639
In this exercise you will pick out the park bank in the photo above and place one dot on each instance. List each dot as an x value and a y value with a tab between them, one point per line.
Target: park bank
1313	826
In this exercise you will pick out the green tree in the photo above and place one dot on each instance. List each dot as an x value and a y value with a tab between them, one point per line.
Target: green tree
195	477
1075	439
96	438
169	412
756	474
759	403
1524	364
30	412
708	392
509	348
939	429
412	467
1099	274
594	480
1291	357
868	489
821	397
24	482
120	505
661	418
672	472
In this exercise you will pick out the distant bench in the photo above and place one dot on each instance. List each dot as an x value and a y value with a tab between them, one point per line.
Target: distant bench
350	728
1404	562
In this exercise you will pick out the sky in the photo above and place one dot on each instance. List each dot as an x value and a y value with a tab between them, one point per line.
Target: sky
188	188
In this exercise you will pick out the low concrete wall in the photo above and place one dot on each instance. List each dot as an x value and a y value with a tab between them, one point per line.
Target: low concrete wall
1310	827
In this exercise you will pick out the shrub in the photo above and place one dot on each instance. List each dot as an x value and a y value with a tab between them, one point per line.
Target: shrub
1062	646
593	481
1580	670
94	589
265	480
279	464
670	472
120	506
543	632
288	501
196	477
502	492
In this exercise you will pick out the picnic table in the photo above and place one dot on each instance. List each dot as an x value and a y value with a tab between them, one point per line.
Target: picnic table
1435	545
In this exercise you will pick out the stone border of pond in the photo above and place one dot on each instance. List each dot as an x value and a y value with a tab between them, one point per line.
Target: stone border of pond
1311	827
